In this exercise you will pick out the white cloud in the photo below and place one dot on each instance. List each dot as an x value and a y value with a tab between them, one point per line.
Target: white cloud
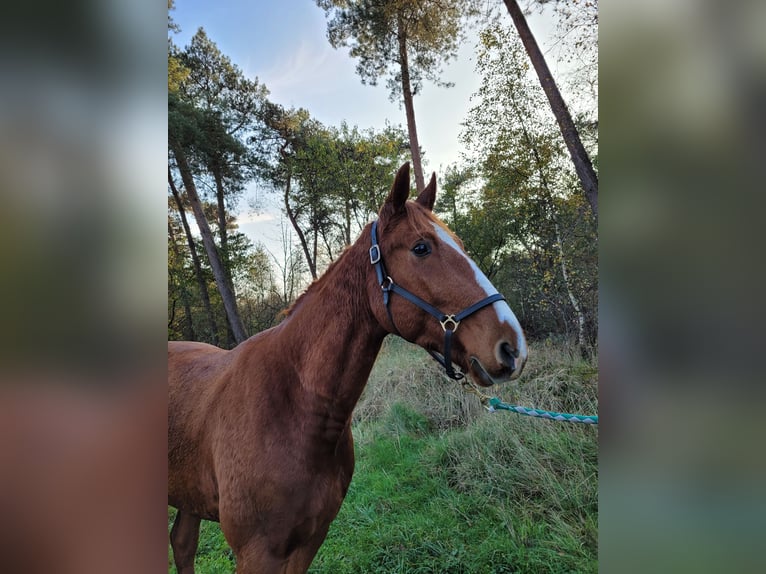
306	69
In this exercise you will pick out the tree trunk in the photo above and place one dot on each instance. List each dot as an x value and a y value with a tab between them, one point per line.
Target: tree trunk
347	206
409	108
287	266
224	243
301	237
213	324
229	302
581	342
314	246
327	244
347	229
222	225
575	302
580	158
188	330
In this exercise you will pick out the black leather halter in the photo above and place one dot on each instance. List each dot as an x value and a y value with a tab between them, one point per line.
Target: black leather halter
448	322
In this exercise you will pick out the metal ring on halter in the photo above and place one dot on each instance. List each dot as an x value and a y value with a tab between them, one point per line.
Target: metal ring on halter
447	320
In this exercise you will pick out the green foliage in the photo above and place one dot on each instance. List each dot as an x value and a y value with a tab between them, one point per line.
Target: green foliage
258	295
515	201
177	72
371	29
229	111
172	26
212	110
333	179
216	83
489	493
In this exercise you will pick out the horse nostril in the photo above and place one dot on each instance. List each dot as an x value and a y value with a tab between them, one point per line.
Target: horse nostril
508	356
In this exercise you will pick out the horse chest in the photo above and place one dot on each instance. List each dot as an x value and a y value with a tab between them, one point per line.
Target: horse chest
288	507
282	469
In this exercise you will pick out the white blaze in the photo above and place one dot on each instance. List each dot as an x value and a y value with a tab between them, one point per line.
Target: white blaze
504	313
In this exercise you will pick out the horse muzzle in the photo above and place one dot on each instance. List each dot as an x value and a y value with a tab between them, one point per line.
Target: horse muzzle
510	364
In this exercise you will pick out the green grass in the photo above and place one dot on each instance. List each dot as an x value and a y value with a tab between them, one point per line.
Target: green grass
443	486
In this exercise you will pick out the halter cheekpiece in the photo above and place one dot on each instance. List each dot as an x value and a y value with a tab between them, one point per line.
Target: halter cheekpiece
449	323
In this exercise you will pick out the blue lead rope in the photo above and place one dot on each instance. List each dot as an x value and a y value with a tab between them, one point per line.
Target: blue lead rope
495	403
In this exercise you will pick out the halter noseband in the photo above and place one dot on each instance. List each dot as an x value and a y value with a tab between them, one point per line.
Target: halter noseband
448	322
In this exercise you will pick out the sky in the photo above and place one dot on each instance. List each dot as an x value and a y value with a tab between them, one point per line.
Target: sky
284	45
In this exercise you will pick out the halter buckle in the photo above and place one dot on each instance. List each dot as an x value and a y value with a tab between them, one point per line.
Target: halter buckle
447	320
387	283
374	254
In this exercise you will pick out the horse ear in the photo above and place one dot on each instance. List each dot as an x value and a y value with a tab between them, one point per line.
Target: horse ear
427	197
400	191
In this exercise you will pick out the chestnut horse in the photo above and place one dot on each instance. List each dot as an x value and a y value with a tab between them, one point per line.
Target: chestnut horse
259	437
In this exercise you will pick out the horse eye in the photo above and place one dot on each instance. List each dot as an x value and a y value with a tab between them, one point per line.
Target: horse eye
421	249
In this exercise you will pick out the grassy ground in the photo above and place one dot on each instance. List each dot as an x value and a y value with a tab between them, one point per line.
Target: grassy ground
441	485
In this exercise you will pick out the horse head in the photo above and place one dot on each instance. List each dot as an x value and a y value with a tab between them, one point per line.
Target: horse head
430	292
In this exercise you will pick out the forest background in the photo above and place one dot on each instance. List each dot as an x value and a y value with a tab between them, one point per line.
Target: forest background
507	183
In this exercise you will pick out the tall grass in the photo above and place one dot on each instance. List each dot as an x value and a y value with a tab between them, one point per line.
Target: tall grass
441	485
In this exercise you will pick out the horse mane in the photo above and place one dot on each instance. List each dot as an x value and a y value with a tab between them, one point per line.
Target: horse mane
318	284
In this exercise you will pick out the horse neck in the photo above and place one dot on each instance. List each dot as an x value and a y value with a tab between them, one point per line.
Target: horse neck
334	337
